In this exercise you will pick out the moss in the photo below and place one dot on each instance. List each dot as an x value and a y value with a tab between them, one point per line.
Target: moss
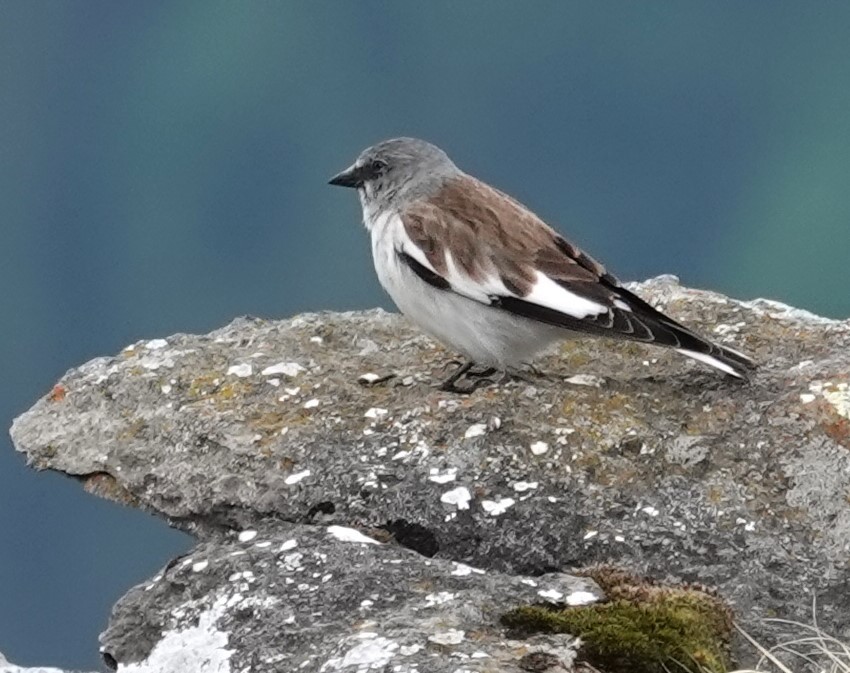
642	628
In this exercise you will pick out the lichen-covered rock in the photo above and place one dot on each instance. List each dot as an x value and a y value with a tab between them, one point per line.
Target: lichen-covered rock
287	598
619	453
6	667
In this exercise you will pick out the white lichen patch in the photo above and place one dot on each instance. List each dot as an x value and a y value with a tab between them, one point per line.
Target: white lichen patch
374	653
462	570
448	637
551	595
350	535
586	380
475	430
521	486
195	649
539	448
247	535
497	507
729	329
589	535
241	370
375	413
244	576
839	398
296	477
581	598
154	344
368	378
288	544
442	477
836	394
459	497
290	369
199	566
159	361
649	510
311	404
439	598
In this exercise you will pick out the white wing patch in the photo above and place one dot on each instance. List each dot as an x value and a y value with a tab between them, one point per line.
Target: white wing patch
546	292
479	290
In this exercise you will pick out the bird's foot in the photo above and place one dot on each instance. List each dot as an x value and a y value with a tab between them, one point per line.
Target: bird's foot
528	374
452	363
536	371
474	379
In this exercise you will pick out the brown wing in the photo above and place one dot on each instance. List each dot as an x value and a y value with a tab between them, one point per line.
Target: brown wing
489	233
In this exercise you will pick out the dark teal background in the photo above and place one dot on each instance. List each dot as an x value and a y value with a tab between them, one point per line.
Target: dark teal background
163	169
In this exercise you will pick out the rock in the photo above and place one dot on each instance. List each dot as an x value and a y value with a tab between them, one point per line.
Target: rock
6	667
659	465
321	598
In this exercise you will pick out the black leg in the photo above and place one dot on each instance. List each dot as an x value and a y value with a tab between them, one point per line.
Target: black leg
451	363
476	379
534	370
449	385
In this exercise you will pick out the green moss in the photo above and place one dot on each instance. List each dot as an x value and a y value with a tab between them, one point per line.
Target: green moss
643	628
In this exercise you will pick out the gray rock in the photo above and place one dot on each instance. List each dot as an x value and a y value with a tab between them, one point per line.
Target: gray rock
619	453
285	598
6	667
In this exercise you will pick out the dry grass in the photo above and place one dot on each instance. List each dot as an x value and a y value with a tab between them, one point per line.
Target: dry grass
810	650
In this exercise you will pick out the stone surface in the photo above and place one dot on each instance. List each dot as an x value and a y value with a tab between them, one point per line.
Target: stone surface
619	453
286	598
6	667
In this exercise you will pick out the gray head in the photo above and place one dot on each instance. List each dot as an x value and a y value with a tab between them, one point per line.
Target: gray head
395	171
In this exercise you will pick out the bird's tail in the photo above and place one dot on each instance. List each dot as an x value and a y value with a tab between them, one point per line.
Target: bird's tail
725	359
667	332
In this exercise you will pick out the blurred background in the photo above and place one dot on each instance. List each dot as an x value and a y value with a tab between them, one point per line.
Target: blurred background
163	169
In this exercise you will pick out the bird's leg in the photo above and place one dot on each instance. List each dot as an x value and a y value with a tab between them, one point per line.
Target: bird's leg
535	370
450	363
487	376
476	379
450	384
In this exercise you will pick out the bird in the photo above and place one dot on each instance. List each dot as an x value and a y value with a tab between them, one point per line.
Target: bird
480	272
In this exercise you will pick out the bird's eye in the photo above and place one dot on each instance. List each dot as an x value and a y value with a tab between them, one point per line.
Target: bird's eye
378	166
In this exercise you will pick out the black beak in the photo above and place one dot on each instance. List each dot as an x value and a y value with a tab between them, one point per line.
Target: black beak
350	177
